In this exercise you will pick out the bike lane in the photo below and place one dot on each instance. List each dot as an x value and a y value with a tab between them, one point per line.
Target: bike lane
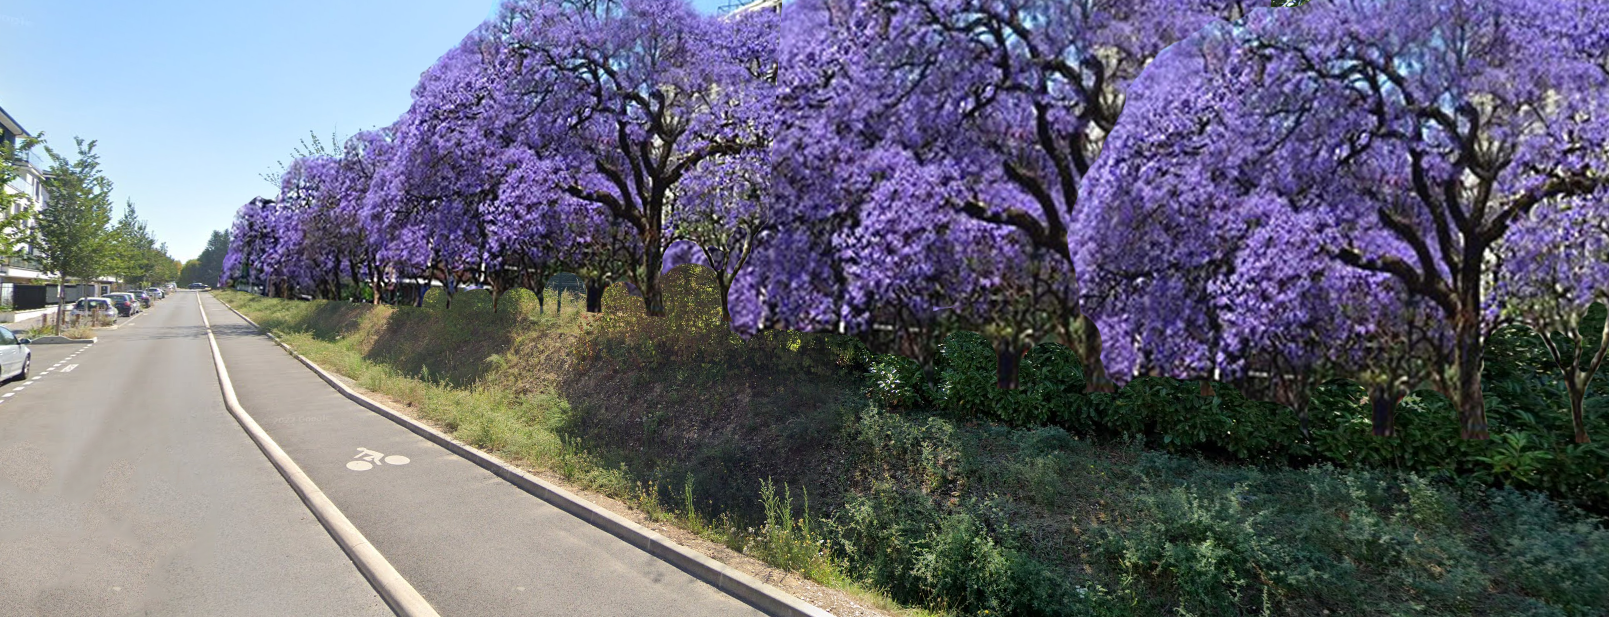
127	489
468	541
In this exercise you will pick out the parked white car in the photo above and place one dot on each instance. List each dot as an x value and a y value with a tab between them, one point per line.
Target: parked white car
15	357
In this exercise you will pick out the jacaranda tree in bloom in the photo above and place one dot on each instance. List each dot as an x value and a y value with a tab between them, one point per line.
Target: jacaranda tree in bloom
624	98
1553	267
952	127
262	247
361	157
1192	271
309	194
1400	140
444	170
722	204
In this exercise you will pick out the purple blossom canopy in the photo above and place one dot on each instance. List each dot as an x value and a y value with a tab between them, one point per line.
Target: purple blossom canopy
930	151
1350	152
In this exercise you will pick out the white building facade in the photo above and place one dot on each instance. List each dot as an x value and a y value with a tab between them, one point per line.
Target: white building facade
23	282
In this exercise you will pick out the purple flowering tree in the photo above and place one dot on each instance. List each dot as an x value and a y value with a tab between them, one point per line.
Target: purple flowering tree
264	249
721	205
1195	271
624	98
968	123
1553	268
309	192
442	168
1399	141
363	155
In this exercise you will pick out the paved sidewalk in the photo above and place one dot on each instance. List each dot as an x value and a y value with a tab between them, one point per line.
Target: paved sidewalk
469	542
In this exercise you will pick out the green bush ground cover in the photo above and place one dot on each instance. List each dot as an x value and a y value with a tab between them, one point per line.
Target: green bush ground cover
966	500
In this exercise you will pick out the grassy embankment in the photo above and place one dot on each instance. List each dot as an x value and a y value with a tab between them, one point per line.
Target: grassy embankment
718	435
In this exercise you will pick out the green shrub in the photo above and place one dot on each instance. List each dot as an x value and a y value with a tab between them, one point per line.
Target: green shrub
967	372
1552	554
1531	446
900	541
896	382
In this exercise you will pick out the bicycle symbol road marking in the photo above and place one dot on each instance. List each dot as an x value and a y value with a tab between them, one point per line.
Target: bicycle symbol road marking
369	459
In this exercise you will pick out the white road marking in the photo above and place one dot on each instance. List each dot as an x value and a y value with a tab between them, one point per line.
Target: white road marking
69	368
18	388
373	459
8	395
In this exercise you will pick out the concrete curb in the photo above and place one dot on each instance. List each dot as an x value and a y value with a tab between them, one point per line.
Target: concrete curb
769	599
403	599
61	340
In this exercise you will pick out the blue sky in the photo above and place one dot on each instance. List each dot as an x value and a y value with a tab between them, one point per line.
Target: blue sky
193	100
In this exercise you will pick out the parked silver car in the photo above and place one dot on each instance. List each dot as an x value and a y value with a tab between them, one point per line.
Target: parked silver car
89	308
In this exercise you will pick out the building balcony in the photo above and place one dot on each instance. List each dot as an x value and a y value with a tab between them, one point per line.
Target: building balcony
11	264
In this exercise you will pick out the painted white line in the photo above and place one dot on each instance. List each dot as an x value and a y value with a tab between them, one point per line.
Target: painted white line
18	388
69	368
8	395
395	590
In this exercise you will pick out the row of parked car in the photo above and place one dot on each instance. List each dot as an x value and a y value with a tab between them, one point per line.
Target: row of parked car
121	304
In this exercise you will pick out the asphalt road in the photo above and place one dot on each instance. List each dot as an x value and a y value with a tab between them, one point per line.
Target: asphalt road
126	488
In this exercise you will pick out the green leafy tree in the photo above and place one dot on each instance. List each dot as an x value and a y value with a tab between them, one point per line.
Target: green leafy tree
72	238
207	268
14	227
132	256
167	268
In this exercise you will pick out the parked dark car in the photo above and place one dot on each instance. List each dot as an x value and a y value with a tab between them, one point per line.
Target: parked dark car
139	294
125	304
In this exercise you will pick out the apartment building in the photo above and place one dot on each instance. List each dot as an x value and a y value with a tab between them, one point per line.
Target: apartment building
23	282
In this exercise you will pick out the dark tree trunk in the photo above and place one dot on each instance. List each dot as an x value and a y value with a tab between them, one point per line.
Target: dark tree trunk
61	303
1384	404
1008	359
595	296
725	286
1206	387
357	282
1577	388
1467	360
653	296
